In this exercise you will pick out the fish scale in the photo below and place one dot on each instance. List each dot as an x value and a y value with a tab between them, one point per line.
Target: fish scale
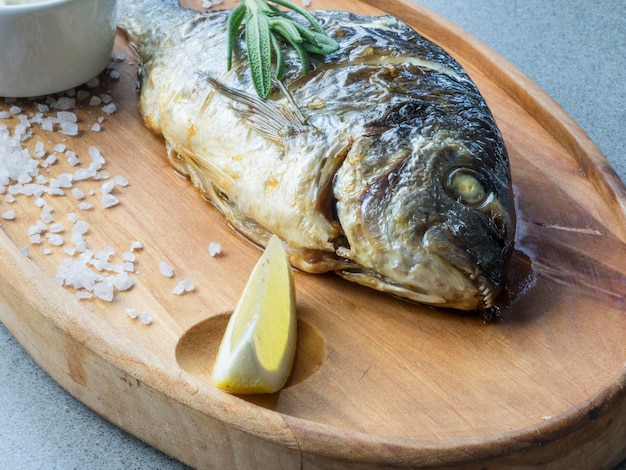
383	163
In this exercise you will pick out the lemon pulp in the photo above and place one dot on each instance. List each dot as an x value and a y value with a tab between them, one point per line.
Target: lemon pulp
258	347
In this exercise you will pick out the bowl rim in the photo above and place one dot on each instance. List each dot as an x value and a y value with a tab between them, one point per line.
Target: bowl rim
36	5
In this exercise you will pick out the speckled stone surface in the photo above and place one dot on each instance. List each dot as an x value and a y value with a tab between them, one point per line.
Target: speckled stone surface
574	49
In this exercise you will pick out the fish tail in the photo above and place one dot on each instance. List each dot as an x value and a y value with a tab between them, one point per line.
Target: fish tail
146	21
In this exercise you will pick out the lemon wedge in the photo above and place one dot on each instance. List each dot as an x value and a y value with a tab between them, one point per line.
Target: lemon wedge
257	350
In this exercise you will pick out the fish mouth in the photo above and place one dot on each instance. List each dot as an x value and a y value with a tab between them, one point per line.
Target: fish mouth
485	288
375	280
441	273
444	276
460	260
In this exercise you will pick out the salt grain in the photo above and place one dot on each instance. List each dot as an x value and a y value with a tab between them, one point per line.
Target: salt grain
80	227
72	158
47	217
186	285
145	317
108	200
123	282
84	174
56	228
82	95
65	116
63	103
104	291
136	245
39	149
132	313
50	160
95	101
215	248
69	128
120	181
8	215
129	256
47	125
109	108
38	227
165	269
65	180
107	187
54	239
96	156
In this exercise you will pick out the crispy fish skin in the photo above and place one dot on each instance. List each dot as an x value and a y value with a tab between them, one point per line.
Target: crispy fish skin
384	163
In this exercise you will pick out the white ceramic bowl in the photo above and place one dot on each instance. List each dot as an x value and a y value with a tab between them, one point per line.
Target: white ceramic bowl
47	46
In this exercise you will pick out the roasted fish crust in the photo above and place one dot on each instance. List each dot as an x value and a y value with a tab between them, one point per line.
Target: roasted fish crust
383	163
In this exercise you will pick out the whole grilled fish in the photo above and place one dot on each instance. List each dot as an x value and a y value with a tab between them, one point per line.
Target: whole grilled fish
383	163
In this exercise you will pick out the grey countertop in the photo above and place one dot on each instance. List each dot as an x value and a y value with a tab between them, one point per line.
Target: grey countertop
574	49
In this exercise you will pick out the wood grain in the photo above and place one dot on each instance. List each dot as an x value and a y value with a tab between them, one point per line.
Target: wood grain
377	381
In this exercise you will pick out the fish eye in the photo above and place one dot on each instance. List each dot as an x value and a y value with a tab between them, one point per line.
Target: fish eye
465	186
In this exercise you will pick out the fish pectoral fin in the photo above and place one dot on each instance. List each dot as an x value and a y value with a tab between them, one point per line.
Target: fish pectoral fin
206	176
265	116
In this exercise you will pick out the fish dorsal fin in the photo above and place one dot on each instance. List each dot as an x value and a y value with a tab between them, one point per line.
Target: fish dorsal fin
267	117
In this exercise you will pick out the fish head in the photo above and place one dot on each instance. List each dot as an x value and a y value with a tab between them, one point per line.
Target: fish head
429	218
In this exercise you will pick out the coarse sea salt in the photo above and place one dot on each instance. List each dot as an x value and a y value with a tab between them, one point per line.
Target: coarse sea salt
78	194
165	269
109	108
215	248
123	281
19	176
8	215
104	291
132	312
109	200
186	285
145	317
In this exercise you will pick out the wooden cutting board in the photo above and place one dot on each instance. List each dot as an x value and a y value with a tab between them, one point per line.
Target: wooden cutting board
377	381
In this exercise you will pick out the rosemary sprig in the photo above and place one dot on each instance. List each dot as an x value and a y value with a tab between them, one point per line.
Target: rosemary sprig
264	25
